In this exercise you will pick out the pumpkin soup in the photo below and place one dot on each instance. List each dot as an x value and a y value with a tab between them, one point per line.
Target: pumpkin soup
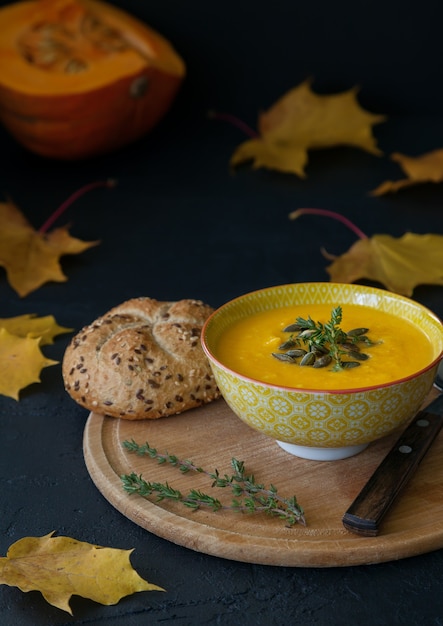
395	348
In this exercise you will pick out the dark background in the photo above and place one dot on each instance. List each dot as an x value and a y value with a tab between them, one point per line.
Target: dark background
180	224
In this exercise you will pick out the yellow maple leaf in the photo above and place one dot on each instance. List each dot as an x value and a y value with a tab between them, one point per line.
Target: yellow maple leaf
60	567
400	264
302	120
427	168
30	325
30	257
21	362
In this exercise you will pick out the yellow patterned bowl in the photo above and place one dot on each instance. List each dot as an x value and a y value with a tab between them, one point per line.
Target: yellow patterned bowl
322	424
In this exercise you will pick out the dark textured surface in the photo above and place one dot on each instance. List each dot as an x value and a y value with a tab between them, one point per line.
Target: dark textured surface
180	224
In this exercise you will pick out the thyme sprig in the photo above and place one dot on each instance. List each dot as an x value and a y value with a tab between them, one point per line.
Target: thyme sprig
249	496
327	343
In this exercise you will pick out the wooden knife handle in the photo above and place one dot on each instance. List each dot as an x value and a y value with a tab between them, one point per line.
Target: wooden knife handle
366	512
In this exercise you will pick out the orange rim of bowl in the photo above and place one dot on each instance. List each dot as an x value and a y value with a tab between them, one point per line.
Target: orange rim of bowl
211	356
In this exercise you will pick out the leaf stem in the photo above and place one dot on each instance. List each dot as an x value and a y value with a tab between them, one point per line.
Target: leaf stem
235	121
72	198
337	216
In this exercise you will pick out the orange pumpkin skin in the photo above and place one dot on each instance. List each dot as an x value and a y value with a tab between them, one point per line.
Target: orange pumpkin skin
128	78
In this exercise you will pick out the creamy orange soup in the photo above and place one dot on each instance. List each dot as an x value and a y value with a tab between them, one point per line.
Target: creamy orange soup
401	348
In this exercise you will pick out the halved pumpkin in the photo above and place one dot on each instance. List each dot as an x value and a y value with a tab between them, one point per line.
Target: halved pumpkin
81	77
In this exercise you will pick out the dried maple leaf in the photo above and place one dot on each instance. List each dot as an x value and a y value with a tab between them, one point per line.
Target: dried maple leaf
32	326
21	362
31	257
302	120
400	264
427	168
60	567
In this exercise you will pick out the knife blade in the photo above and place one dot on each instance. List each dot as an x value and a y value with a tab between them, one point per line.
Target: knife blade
366	512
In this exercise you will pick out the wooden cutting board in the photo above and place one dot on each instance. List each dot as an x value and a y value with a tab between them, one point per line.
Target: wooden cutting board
210	436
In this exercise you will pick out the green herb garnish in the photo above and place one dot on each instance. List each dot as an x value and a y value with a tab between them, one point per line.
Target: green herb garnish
248	495
324	343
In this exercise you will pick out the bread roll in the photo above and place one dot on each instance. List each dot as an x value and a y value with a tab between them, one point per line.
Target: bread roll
141	360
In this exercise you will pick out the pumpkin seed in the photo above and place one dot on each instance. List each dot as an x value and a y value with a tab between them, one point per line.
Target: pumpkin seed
102	36
349	364
360	356
74	66
316	349
290	343
45	58
297	352
366	340
349	347
356	332
308	359
323	361
283	356
292	328
307	334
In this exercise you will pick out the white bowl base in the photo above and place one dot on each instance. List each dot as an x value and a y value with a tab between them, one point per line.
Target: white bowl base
321	454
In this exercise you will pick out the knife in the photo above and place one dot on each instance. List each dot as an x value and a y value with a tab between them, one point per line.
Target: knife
365	514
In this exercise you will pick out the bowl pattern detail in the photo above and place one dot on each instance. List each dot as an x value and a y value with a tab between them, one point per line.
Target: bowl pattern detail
324	419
